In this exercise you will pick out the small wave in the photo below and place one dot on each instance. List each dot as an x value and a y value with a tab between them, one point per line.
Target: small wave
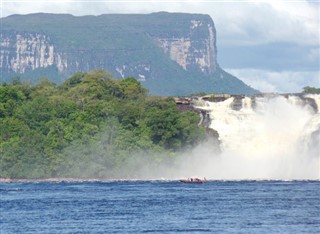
10	189
178	230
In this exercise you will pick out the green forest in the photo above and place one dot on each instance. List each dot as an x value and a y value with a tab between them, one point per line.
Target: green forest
89	126
312	90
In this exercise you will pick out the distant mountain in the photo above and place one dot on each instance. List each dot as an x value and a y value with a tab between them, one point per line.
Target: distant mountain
169	53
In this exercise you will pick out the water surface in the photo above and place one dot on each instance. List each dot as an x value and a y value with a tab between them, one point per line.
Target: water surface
160	207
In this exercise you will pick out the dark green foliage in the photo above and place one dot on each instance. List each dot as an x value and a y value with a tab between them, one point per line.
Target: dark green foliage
312	90
90	126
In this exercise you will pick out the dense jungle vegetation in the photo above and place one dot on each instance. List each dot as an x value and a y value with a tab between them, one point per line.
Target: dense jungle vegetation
312	90
88	127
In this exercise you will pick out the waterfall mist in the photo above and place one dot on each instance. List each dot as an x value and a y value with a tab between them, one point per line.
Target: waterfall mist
267	137
273	137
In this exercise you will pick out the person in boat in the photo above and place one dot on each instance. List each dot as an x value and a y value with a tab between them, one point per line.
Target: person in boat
193	180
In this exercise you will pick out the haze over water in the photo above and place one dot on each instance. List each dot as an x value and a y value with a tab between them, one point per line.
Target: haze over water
268	138
271	137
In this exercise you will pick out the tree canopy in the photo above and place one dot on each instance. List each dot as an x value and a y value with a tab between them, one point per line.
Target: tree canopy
89	126
312	90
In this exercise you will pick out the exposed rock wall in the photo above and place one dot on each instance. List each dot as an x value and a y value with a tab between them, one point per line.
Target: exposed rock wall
191	51
23	51
194	50
170	53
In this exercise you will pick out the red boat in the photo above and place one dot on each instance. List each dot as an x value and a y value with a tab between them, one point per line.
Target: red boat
194	180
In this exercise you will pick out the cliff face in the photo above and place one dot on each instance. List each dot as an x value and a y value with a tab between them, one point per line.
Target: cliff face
161	50
190	51
23	51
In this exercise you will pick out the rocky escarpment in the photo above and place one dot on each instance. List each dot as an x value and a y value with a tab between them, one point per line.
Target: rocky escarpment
171	54
190	51
23	51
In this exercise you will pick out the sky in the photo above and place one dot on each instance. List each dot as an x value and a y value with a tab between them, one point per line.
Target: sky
273	46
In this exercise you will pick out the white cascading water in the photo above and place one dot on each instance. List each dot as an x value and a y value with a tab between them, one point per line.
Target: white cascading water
277	139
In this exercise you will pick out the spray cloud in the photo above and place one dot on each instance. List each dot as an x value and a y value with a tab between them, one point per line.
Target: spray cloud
267	137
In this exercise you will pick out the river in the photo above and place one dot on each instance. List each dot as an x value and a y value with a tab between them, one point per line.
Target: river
160	207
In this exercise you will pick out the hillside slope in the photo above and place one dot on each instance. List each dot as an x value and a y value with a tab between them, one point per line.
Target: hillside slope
169	53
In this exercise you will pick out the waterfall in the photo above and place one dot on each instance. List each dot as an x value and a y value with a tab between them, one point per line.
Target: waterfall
263	137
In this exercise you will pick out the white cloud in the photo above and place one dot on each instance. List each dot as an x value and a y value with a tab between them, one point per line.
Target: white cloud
281	82
264	22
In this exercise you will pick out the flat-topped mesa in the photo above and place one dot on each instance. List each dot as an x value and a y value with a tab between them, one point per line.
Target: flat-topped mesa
169	53
188	39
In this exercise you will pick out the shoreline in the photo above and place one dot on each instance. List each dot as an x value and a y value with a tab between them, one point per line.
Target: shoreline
61	180
80	180
56	180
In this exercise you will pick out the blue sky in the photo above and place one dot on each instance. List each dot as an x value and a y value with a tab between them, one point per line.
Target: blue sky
273	46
